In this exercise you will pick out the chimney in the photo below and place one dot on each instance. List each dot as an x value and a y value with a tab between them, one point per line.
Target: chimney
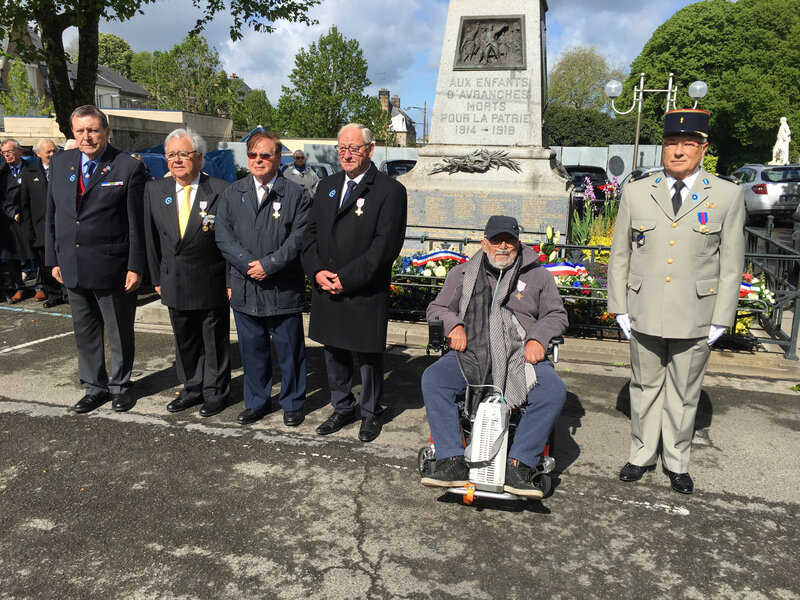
396	100
383	98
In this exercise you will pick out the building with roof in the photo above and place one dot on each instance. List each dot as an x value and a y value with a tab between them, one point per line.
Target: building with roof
401	125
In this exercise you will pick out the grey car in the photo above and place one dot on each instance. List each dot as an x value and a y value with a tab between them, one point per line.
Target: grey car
769	190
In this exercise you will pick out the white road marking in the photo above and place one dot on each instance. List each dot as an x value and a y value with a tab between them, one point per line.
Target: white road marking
37	312
34	342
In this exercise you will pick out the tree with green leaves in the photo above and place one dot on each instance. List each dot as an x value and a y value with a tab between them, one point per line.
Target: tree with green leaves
378	120
21	99
253	110
577	79
748	52
569	126
327	87
53	18
189	77
115	53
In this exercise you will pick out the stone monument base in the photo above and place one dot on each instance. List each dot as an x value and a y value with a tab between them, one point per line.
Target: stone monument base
457	205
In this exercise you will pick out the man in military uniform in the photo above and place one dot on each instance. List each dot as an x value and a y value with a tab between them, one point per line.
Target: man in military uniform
673	281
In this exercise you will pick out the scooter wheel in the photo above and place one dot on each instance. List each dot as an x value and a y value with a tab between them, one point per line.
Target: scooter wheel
426	461
544	483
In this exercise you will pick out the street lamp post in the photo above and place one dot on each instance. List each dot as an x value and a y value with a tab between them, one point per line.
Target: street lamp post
424	109
613	89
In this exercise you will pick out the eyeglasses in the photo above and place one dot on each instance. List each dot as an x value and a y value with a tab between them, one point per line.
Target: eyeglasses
183	155
261	155
353	149
689	145
497	242
299	157
8	152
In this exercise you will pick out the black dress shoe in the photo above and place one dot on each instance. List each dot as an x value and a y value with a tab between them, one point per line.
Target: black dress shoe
183	402
53	301
335	422
122	402
293	418
370	429
631	472
251	415
89	402
209	409
680	482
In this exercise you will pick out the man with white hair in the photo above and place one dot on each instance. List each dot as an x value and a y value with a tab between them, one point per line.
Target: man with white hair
188	272
301	173
356	230
35	178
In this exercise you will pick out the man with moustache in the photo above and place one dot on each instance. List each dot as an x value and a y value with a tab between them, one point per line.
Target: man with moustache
500	309
94	242
673	280
14	246
259	229
33	198
189	272
355	232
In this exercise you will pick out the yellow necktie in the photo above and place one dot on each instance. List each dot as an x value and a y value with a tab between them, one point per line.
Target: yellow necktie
183	213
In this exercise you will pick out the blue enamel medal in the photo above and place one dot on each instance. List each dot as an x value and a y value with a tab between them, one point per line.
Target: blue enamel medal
332	194
695	197
168	200
658	179
72	177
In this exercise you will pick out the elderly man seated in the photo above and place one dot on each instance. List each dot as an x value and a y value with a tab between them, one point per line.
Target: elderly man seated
501	310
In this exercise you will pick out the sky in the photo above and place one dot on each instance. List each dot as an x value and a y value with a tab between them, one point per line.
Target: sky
402	45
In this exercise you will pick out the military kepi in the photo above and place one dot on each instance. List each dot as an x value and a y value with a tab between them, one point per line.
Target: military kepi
687	121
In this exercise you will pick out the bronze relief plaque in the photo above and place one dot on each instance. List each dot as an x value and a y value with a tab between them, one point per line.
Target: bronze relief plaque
491	44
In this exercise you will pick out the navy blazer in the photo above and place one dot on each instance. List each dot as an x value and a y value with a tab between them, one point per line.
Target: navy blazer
96	246
190	270
248	232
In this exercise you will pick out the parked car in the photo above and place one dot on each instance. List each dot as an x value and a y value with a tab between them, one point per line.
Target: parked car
393	168
638	173
597	176
322	169
769	190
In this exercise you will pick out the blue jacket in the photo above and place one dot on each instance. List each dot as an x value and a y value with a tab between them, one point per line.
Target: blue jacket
246	232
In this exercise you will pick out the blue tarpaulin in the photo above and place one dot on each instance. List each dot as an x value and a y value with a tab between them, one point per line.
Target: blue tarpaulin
217	163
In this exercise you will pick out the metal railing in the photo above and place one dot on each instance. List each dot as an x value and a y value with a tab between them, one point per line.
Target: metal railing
776	263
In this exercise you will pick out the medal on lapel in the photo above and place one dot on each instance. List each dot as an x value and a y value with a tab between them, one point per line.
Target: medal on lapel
520	289
203	207
359	207
702	217
167	200
276	210
208	222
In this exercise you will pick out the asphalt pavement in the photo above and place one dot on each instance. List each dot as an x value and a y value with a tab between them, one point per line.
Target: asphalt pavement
149	504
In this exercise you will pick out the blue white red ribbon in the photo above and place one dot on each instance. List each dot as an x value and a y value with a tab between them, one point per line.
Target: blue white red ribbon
439	255
566	269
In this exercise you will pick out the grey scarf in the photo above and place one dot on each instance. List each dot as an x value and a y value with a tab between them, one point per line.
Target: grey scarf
509	371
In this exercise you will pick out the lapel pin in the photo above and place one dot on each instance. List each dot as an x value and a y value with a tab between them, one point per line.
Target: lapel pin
705	181
332	194
168	200
658	179
710	204
695	197
72	177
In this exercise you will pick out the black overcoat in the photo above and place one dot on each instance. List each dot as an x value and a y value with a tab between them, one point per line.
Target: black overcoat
190	270
360	249
14	243
33	201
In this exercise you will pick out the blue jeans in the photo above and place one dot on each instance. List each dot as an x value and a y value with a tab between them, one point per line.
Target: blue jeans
443	386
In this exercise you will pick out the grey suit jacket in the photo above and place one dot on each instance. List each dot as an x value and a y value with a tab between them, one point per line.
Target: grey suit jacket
190	270
675	275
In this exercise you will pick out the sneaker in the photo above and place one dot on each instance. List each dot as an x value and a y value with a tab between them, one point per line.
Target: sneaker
449	472
518	480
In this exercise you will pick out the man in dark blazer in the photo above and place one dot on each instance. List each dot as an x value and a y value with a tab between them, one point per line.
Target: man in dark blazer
188	272
260	225
94	242
14	243
33	200
355	232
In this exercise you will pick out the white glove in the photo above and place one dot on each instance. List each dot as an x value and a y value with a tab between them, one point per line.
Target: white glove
714	333
624	322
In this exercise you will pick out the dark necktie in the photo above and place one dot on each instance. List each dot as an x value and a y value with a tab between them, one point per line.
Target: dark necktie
677	200
350	185
88	169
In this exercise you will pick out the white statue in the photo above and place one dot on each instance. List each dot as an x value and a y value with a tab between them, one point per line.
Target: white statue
780	151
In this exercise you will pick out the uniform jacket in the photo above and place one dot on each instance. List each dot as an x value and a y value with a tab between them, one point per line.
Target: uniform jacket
98	245
360	249
247	232
33	201
675	275
190	270
13	235
535	302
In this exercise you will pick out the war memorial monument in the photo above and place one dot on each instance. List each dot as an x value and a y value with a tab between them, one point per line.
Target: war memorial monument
485	153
